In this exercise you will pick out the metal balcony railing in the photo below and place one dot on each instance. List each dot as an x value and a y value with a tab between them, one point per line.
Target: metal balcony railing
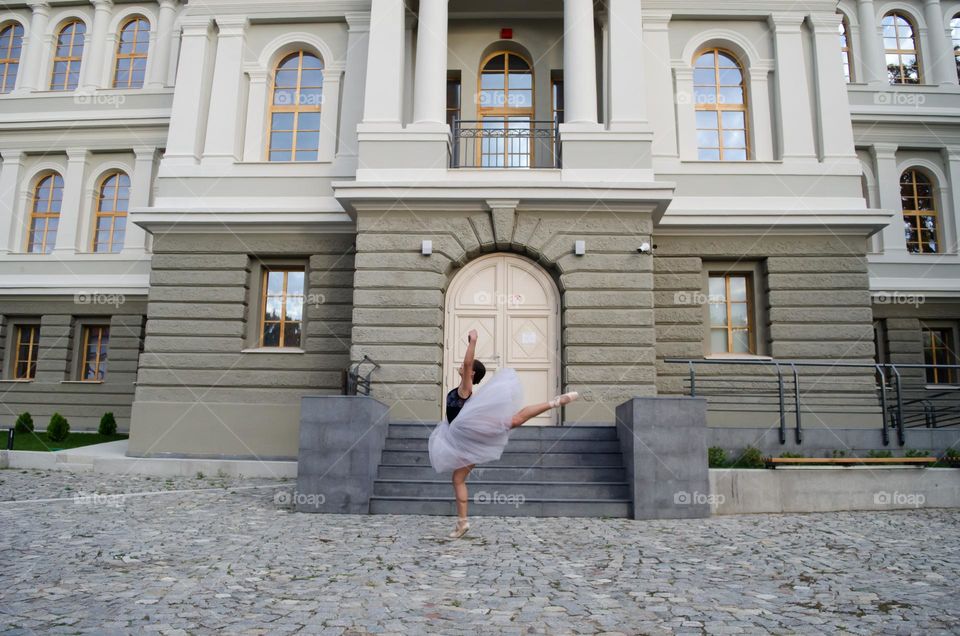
505	143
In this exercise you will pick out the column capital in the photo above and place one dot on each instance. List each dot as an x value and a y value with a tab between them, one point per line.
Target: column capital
196	25
884	151
825	21
145	153
656	20
39	6
929	2
232	26
256	73
786	22
12	156
168	4
77	154
102	5
357	21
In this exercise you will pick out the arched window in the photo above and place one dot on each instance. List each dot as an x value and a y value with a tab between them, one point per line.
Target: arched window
506	104
721	104
919	212
955	34
903	56
11	43
131	59
45	214
296	100
67	57
845	47
111	220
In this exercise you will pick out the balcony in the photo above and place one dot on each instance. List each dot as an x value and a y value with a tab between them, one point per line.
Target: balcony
505	143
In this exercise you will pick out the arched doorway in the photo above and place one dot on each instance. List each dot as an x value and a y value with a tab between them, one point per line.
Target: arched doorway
515	306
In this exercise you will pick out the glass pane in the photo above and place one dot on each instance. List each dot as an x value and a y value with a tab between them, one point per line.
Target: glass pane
517	63
707	119
718	341
295	282
708	154
705	95
271	334
306	155
283	121
295	307
307	121
274	307
734	155
281	141
718	315
521	81
733	120
734	139
705	61
307	141
738	315
291	334
730	77
704	76
738	288
496	63
275	283
708	139
718	289
731	95
741	342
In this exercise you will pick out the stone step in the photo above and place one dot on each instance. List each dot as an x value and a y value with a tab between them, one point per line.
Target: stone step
491	473
513	458
540	507
577	432
521	445
424	489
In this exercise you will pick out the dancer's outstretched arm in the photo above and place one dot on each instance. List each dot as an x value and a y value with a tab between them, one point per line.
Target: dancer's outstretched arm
466	371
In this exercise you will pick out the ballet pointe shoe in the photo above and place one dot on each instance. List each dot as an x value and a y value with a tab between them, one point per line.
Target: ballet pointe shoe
462	526
562	400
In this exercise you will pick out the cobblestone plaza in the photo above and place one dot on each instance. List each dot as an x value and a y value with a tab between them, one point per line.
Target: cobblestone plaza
98	554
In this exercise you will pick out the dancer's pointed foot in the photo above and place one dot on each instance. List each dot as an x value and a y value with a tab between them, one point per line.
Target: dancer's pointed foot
562	400
462	526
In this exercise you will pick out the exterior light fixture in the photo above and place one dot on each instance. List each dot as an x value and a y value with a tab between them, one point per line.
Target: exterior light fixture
426	247
580	248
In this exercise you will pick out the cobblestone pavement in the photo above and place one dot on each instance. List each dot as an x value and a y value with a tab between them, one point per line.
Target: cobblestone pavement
227	558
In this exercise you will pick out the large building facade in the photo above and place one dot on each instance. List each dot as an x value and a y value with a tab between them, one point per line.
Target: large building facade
210	210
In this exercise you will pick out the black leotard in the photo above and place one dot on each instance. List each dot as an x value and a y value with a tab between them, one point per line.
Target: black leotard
454	404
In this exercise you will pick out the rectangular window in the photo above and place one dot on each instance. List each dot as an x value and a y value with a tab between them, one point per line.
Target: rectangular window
93	352
730	298
453	97
939	351
27	347
556	88
282	307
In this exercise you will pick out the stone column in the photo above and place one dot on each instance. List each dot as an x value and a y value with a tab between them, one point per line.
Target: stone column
888	185
160	55
31	76
761	126
69	225
223	127
796	118
358	35
254	148
579	63
329	114
686	113
96	53
833	108
430	82
951	159
10	172
873	69
183	139
656	37
384	86
141	182
941	64
628	85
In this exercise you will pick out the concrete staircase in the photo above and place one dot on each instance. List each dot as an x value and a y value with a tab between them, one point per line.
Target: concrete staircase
574	471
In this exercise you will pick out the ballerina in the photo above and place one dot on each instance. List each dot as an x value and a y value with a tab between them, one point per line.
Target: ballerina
483	424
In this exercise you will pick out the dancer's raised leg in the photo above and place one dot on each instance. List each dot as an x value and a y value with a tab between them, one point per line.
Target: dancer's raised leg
529	412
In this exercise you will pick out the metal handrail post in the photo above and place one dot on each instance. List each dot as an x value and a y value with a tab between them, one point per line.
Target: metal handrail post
901	438
796	398
885	431
783	406
693	381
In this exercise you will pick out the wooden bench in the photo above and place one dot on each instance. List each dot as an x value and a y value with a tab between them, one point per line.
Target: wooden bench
851	461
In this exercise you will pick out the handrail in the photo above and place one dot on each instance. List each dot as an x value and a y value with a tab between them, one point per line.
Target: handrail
915	403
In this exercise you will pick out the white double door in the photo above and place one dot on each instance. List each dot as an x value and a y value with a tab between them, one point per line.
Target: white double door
514	306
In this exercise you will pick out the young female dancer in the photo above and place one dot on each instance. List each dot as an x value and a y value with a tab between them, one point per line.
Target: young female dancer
483	424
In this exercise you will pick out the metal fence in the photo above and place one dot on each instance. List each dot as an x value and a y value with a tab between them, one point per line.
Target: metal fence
504	143
898	396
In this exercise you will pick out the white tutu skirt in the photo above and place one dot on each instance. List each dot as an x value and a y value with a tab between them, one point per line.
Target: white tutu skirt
481	430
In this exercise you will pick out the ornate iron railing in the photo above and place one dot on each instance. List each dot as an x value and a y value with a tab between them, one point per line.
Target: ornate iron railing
504	143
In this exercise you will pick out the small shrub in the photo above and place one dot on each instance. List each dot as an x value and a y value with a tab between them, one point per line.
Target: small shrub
879	454
751	457
58	429
839	453
789	455
24	423
716	457
108	424
952	453
916	452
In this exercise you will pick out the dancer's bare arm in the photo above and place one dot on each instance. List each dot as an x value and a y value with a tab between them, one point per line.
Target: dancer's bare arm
466	377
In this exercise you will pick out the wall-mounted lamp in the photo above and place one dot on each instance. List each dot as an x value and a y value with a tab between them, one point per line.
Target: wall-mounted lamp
426	247
645	248
580	248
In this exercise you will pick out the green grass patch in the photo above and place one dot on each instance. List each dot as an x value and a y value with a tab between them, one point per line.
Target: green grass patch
38	441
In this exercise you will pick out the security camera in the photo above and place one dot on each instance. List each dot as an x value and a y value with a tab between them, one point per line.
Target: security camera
644	248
